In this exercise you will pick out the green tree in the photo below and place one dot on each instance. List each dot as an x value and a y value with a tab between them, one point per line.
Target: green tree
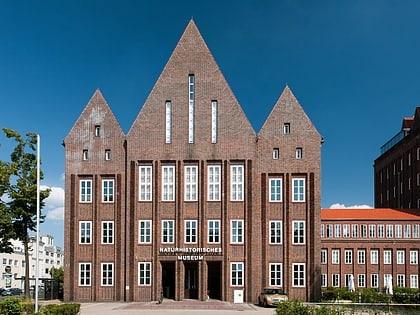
57	274
6	228
22	192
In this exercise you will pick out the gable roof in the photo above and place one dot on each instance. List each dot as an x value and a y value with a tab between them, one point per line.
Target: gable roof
370	214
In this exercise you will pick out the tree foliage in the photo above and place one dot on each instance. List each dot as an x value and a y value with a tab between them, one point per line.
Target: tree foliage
20	187
57	274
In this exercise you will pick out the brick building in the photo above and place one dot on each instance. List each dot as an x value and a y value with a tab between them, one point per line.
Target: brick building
370	245
192	202
397	169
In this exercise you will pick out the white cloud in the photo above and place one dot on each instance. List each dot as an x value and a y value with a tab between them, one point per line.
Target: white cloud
54	204
342	206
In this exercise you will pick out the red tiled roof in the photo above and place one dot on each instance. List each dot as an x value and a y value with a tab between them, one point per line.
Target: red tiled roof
370	214
407	122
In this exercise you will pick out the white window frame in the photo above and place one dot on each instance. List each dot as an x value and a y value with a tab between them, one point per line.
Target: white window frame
276	190
348	256
168	122
85	232
414	257
237	274
107	232
214	121
85	274
237	182
324	280
400	257
374	280
324	256
299	153
361	280
374	256
108	190
168	231
213	231
299	189
145	232
299	275
335	256
276	232
168	183
191	97
361	256
236	231
299	232
335	278
213	182
85	195
107	154
414	281
400	280
190	231
145	183
276	274
387	257
107	274
145	273
190	183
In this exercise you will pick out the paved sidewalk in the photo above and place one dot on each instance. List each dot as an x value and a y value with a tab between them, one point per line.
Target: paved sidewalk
174	308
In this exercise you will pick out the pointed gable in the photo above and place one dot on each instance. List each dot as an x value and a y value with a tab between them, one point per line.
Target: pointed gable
416	120
191	57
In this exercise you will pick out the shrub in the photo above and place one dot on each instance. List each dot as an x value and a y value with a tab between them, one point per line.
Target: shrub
11	306
61	309
292	308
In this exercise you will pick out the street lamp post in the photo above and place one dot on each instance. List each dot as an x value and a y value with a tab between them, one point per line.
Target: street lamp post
38	153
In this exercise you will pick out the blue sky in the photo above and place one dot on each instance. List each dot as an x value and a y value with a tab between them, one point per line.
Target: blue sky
353	65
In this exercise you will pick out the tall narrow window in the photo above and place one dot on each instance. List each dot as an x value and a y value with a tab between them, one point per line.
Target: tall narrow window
167	231
275	189
85	190
298	275
85	232
276	232
108	190
145	273
286	128
191	231
107	232
276	274
97	130
191	183
145	231
299	152
213	121
213	183
237	274
298	232
191	108
168	121
145	183
276	153
107	154
85	274
236	232
168	183
107	270
298	190
237	182
213	227
85	155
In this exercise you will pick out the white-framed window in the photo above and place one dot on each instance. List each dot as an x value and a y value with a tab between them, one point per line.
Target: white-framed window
168	231
107	155
107	232
107	272
85	274
414	281
398	231
322	231
414	257
298	232
85	190
400	257
354	231
374	256
213	121
381	229
363	231
191	180
236	183
286	128
299	153
213	228
236	274
361	256
346	230
168	183
407	230
329	230
145	273
324	256
191	92
374	280
298	185
276	232
387	257
276	189
276	274
416	230
85	232
145	183
324	280
337	228
85	155
276	153
401	280
213	182
190	228
389	231
97	130
145	231
372	231
107	190
348	256
168	122
335	256
298	275
236	231
361	280
335	279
